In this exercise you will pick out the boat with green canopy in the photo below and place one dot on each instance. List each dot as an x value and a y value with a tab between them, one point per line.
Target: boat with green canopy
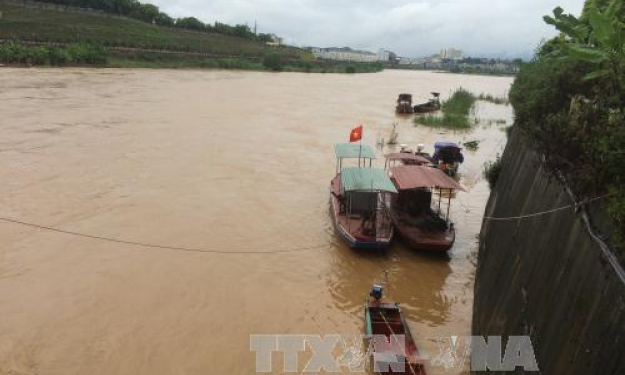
360	199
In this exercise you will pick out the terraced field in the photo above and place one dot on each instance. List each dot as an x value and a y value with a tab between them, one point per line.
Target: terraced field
53	26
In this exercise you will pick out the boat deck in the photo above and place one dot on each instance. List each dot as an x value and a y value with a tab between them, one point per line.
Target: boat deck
353	224
424	239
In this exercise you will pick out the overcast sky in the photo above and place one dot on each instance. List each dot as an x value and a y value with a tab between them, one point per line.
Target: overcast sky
410	28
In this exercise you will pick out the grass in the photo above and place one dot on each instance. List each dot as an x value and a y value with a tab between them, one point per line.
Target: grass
455	111
493	99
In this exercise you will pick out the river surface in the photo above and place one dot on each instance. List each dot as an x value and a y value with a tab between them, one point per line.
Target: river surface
208	160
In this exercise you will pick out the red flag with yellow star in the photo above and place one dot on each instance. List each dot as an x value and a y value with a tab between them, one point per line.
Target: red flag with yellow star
356	134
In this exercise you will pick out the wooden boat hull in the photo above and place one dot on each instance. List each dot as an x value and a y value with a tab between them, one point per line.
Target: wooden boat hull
418	239
386	319
351	237
426	108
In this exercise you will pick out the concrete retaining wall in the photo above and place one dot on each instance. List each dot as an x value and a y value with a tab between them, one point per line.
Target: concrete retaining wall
545	276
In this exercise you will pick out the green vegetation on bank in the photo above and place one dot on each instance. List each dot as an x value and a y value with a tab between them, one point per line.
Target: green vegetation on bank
491	172
75	54
569	104
151	14
83	54
42	36
56	27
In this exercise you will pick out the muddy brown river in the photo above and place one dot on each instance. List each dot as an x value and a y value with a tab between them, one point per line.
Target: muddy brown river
219	161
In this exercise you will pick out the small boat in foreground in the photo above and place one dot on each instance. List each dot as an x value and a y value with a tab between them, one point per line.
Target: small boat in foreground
418	221
385	319
360	199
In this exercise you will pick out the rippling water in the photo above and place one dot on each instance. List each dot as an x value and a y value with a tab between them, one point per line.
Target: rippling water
230	161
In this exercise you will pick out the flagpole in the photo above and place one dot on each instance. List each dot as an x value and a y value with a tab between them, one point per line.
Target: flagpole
360	147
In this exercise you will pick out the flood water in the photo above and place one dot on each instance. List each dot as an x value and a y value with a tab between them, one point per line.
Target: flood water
210	160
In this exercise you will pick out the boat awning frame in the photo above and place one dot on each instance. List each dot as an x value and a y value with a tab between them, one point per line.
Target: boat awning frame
366	180
408	177
353	151
407	156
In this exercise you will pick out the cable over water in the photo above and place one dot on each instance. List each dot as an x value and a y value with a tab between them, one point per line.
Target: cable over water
163	247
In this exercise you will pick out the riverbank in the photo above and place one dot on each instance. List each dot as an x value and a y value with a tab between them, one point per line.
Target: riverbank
18	54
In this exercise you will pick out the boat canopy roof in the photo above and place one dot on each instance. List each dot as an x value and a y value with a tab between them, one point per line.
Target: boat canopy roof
408	177
438	145
353	151
366	179
406	156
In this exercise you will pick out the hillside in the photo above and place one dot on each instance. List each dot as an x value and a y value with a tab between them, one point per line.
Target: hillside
45	24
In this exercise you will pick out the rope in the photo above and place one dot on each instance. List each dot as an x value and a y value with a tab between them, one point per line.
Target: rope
395	335
162	247
574	205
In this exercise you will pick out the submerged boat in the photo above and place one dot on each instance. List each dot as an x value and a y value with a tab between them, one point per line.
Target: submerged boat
418	220
431	105
385	320
448	157
360	199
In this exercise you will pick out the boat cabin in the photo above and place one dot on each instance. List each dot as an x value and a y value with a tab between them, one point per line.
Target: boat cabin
418	212
448	156
360	199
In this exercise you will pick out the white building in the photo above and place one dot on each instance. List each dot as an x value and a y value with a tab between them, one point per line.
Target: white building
451	53
344	54
384	55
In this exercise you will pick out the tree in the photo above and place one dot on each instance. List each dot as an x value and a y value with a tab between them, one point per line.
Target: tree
190	23
596	38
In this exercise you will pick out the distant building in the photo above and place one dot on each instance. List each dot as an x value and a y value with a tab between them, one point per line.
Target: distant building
384	55
344	54
275	40
451	54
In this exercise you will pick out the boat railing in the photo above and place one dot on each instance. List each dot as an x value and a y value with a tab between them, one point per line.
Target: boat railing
383	217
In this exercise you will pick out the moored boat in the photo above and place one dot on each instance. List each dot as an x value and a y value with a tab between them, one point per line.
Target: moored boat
418	220
404	104
360	200
385	320
431	105
448	157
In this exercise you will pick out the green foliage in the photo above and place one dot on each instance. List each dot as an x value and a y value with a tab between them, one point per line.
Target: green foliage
569	106
273	61
15	53
491	172
596	38
455	111
460	103
150	13
350	69
493	99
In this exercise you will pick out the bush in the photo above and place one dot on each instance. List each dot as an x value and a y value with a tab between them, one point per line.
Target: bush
273	61
491	171
350	69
